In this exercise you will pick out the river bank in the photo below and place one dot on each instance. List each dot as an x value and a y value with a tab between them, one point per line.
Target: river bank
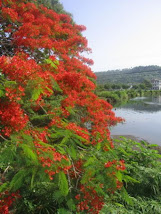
131	137
134	138
119	97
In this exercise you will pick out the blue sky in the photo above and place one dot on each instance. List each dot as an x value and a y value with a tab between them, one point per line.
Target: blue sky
121	33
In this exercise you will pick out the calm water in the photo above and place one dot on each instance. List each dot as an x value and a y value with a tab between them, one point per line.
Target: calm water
143	119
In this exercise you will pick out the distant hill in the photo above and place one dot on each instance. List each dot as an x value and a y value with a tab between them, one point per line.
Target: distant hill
133	75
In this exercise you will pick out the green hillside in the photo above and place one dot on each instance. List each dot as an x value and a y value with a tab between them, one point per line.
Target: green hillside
132	75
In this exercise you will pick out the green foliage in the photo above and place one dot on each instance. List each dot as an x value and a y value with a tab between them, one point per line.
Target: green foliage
28	152
117	97
111	97
63	184
143	165
142	180
140	206
63	211
18	179
52	4
53	64
145	85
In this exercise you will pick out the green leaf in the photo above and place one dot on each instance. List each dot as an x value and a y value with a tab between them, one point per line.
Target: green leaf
57	195
1	93
28	152
79	137
63	211
27	138
56	86
65	139
7	155
53	64
89	161
34	170
18	179
124	152
79	142
126	197
119	176
59	134
3	187
99	190
89	173
152	145
60	149
36	93
49	89
10	83
128	178
46	145
72	152
71	204
98	146
118	204
63	184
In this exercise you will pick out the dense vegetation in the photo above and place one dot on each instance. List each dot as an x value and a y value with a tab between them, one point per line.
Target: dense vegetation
133	75
146	85
144	191
118	97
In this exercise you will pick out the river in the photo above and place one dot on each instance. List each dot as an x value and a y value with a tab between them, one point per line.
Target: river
143	119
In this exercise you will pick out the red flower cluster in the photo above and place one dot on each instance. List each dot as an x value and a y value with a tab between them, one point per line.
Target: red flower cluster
121	165
118	166
89	200
12	117
19	69
114	166
51	160
10	14
82	132
110	163
6	201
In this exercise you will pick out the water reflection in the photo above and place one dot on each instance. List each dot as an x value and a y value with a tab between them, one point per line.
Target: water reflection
143	119
149	104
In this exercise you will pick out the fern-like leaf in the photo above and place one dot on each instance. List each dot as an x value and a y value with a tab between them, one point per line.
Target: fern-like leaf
63	184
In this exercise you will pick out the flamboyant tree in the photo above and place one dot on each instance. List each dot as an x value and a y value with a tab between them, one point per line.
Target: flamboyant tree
56	152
